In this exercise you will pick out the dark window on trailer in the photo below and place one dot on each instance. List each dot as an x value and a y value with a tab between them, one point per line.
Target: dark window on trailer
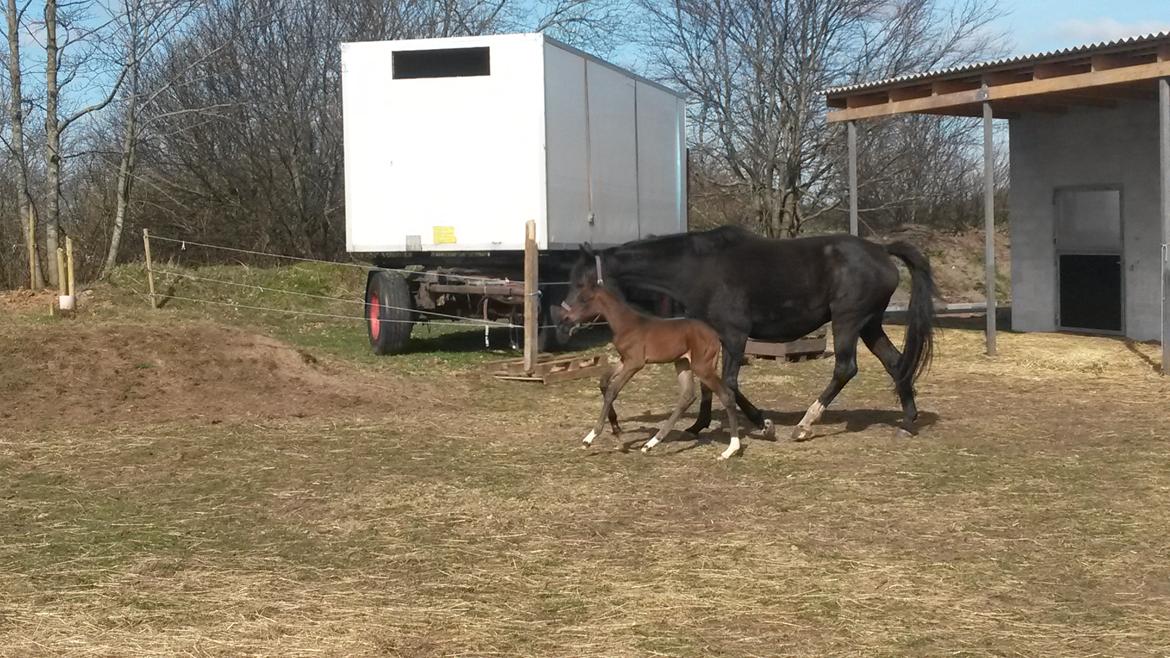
444	63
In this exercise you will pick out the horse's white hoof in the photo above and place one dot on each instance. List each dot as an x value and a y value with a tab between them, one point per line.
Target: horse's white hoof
769	429
801	433
588	440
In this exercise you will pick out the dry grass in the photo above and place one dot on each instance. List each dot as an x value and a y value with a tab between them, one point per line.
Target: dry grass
1027	519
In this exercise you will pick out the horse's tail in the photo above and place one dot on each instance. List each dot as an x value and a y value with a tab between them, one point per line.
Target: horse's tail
919	346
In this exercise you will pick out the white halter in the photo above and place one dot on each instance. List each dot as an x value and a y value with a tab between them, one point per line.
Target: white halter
597	261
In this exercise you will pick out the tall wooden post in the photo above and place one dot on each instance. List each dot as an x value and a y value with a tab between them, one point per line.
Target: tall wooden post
989	224
62	280
531	298
70	288
149	267
1164	181
851	131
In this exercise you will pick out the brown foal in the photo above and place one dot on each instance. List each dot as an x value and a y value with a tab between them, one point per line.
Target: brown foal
691	345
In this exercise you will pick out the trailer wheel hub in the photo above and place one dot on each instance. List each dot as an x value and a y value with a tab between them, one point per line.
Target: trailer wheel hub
375	316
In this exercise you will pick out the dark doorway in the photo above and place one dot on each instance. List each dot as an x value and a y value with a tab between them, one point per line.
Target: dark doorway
1090	292
1090	278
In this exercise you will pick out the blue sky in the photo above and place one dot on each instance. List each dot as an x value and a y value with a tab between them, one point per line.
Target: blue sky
1039	25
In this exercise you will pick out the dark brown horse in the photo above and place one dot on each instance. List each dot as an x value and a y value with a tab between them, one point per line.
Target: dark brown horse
691	345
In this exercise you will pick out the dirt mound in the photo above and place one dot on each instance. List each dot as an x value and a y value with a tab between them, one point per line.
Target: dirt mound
25	301
110	374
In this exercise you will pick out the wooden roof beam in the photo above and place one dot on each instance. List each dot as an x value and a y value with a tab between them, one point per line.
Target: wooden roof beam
1065	83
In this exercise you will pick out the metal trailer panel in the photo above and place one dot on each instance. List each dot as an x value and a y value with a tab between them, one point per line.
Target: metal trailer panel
616	172
612	156
444	163
662	196
568	167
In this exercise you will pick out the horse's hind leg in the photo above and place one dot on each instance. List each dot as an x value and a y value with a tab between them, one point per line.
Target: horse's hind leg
727	398
606	377
879	343
732	361
686	397
845	334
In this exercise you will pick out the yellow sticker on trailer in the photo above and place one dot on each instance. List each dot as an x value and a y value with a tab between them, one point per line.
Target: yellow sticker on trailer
444	234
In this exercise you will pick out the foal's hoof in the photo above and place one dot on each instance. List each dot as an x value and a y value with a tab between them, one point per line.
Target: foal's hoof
801	433
903	433
769	429
726	455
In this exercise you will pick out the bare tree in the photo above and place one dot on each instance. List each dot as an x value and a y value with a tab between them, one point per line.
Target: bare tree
145	26
754	70
89	35
25	206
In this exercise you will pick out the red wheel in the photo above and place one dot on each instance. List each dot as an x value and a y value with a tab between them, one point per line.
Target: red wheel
389	312
375	315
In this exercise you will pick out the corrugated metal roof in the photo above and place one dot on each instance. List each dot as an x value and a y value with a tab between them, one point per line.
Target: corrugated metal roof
1004	62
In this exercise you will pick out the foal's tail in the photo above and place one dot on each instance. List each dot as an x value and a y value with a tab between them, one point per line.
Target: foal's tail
919	346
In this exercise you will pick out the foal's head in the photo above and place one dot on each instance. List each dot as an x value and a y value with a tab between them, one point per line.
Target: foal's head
580	303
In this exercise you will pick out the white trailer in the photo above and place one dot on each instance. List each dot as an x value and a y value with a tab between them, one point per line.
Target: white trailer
451	145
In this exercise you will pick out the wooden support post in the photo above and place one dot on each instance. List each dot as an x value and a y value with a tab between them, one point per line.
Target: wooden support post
149	267
989	225
531	298
71	288
851	130
1164	184
62	280
31	240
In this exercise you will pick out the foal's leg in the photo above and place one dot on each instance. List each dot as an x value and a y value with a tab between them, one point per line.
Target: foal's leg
879	343
606	377
727	398
622	375
845	333
733	349
686	397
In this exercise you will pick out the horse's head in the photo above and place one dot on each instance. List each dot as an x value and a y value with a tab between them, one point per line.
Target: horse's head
580	304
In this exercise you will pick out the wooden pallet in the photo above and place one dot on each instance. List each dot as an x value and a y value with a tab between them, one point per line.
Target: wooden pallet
809	347
550	370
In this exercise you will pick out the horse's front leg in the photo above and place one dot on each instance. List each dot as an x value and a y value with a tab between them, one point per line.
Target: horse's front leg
733	354
622	375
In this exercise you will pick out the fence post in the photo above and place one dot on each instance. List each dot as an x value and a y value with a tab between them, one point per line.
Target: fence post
149	267
531	298
62	280
71	289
